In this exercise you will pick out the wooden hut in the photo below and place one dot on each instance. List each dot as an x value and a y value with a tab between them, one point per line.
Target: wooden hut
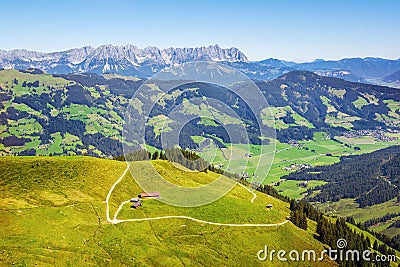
149	195
268	207
136	205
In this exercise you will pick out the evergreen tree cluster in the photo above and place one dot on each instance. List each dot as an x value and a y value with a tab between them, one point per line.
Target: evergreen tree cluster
187	158
391	242
371	178
395	224
269	190
330	232
299	218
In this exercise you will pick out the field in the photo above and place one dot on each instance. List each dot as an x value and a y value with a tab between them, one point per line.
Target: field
53	213
347	207
278	159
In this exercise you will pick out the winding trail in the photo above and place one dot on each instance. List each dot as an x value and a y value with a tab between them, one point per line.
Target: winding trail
251	192
112	189
114	220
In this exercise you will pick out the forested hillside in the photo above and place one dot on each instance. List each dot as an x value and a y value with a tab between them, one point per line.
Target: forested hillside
46	114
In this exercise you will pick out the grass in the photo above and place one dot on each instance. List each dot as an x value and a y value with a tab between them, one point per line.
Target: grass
292	190
348	207
276	156
341	119
206	111
160	124
7	77
360	102
95	120
53	213
273	116
24	127
327	103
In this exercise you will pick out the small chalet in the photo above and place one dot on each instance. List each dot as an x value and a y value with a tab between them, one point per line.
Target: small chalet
268	207
135	199
136	204
149	195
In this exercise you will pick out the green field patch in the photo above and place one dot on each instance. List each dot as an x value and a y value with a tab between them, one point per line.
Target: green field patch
160	124
95	120
117	76
301	121
327	103
26	108
390	232
392	105
296	189
55	144
24	127
337	92
371	99
360	102
93	92
348	207
3	128
7	81
173	95
207	111
272	116
137	104
341	119
208	122
197	139
80	112
98	124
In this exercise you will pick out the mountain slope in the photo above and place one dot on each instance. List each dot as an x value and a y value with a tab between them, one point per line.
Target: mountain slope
393	78
55	215
44	114
363	67
331	102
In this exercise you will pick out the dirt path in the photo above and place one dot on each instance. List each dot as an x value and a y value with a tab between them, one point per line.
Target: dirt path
112	189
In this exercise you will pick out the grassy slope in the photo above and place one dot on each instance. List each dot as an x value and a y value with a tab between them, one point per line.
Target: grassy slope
348	207
53	213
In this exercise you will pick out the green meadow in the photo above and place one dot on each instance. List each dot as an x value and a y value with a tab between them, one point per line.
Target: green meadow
53	213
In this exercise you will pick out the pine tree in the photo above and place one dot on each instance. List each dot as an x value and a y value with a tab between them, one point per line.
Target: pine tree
155	155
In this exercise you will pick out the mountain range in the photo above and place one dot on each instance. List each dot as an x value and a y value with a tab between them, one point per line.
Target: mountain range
125	60
133	61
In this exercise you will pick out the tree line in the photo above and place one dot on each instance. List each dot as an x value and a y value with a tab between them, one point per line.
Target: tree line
375	221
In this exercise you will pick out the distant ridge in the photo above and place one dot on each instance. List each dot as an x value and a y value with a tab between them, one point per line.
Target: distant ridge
125	60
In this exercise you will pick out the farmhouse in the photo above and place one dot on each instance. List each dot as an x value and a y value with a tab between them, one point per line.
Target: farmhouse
136	204
149	195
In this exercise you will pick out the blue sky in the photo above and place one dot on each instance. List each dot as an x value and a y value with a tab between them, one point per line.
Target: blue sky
284	29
